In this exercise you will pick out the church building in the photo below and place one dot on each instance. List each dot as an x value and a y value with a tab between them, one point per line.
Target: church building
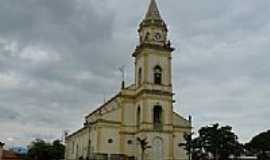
141	111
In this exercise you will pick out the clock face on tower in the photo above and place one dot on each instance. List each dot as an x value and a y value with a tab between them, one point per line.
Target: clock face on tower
157	37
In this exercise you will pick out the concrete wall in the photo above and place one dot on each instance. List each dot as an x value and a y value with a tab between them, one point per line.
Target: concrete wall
129	114
166	110
109	140
163	60
79	145
148	60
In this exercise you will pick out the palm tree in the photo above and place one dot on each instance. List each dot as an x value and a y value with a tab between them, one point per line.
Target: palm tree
144	145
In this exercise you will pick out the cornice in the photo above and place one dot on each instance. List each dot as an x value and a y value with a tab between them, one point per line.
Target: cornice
147	91
153	23
139	48
76	133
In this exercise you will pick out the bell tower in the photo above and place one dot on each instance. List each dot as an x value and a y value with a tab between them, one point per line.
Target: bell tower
153	54
153	73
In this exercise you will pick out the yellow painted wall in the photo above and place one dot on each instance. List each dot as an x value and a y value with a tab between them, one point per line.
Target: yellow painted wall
106	134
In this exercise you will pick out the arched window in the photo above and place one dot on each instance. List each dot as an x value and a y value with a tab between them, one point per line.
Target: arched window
138	117
157	75
157	117
140	76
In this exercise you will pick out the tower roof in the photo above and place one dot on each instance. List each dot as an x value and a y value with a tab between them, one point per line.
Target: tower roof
153	12
152	17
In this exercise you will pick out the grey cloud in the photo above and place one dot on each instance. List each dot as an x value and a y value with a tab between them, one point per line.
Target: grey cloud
7	114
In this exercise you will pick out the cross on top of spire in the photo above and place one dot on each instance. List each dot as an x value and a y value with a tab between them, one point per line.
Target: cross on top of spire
153	12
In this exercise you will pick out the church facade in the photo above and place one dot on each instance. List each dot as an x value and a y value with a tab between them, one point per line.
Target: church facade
143	110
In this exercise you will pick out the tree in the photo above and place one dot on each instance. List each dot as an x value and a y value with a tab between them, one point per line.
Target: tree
38	150
220	142
188	145
144	145
194	147
213	141
260	145
57	150
41	150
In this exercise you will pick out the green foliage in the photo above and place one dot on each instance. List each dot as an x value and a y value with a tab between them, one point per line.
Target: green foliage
188	145
221	142
57	150
41	150
214	141
260	145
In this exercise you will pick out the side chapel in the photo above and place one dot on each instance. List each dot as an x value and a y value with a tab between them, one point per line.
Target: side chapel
142	110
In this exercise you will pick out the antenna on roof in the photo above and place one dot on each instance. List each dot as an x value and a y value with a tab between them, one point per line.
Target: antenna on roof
122	70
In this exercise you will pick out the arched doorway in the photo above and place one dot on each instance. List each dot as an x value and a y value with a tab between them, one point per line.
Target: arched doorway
157	149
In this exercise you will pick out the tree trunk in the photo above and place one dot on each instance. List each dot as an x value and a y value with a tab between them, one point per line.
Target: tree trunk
142	156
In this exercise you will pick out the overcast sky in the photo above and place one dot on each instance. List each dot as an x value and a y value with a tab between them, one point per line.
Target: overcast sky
59	59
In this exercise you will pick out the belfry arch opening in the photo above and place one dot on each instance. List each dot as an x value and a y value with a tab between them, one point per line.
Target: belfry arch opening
158	75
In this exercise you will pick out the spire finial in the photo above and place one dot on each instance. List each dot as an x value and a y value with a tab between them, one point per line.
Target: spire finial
153	12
